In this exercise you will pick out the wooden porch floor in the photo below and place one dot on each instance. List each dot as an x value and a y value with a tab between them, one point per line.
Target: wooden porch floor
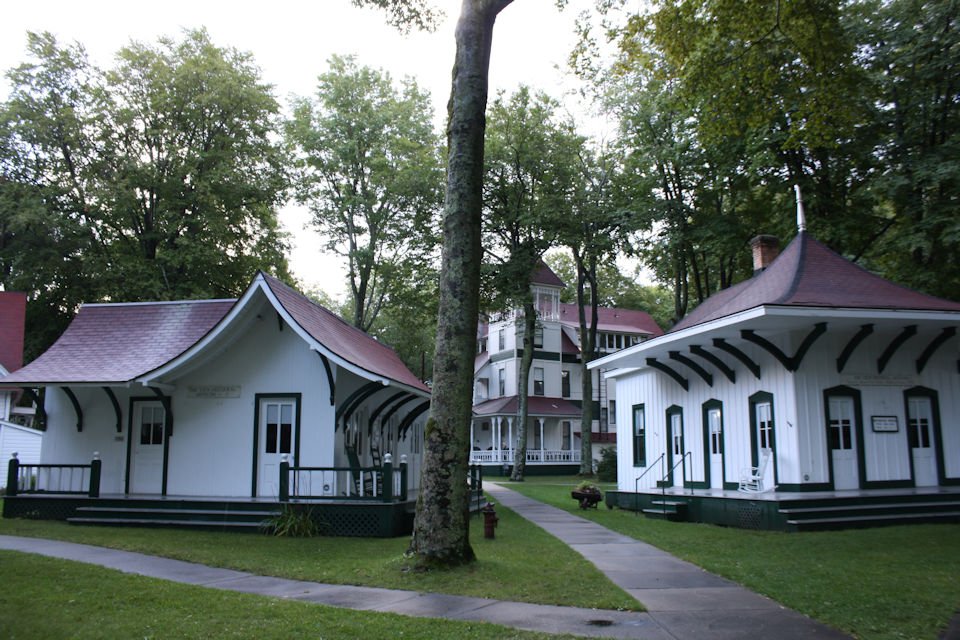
782	496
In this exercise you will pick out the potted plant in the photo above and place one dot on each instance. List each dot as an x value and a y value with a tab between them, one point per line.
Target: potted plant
587	494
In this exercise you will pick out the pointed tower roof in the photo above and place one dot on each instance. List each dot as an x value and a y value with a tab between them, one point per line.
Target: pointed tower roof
808	274
544	275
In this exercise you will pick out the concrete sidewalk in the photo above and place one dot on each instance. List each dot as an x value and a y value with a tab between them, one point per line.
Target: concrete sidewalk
683	601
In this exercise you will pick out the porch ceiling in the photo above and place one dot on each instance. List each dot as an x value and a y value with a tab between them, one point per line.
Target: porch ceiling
536	406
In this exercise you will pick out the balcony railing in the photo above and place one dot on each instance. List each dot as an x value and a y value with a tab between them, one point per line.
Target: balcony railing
534	456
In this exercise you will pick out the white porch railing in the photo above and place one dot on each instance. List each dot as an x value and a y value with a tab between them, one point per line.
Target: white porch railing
534	456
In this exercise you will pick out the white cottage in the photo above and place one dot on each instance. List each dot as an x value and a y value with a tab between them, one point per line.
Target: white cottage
815	394
266	399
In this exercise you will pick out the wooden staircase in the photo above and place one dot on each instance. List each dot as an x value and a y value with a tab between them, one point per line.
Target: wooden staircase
672	510
869	511
191	514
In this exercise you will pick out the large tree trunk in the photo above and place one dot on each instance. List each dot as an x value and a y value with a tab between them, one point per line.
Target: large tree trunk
586	273
523	385
441	527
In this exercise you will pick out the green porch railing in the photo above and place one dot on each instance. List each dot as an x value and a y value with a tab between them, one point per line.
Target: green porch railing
375	484
63	479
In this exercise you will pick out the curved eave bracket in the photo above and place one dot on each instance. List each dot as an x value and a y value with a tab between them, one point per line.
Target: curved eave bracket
855	341
351	404
659	366
721	366
116	407
693	366
410	417
383	405
934	345
395	407
330	381
895	344
744	359
167	408
76	407
790	363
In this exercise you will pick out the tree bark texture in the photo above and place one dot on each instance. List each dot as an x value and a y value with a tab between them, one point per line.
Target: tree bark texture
523	387
441	526
586	273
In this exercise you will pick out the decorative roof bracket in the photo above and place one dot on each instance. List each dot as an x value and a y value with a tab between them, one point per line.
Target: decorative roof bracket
383	405
693	366
353	402
935	344
76	407
722	344
855	341
679	379
330	381
410	417
724	368
788	362
116	408
908	332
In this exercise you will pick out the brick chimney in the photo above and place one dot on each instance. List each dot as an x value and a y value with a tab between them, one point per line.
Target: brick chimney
765	250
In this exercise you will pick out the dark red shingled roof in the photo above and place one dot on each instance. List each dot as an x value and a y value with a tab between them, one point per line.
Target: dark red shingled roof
808	274
115	343
343	339
536	406
545	275
611	319
13	311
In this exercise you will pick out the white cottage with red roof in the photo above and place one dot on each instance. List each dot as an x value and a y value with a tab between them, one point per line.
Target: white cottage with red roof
554	396
266	399
815	394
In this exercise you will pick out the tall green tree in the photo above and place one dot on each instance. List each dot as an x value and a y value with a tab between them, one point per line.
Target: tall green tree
161	176
531	159
371	176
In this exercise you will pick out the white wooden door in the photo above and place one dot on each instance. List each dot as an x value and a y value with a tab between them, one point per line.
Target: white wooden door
676	437
146	451
715	444
842	441
763	421
922	443
277	437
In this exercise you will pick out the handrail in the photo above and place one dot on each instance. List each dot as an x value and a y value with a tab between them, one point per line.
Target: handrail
636	482
23	478
669	474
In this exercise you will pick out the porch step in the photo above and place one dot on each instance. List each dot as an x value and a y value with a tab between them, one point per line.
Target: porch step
852	514
180	515
673	510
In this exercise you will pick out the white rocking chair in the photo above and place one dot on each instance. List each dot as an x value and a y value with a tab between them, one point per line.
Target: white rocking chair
751	478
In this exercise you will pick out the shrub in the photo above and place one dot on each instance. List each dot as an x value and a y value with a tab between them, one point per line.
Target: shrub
293	523
607	467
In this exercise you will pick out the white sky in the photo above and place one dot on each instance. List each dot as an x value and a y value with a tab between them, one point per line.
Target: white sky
291	42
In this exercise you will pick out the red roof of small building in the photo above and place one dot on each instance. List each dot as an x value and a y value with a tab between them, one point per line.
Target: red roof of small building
613	320
342	338
808	274
13	311
536	406
115	343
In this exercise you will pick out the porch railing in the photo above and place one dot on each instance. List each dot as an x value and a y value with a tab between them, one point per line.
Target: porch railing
376	484
533	455
76	479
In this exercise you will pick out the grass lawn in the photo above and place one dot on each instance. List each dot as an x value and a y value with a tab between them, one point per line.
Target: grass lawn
522	564
885	582
50	598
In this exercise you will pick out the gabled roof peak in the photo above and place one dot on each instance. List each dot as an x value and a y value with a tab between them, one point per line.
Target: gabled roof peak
809	274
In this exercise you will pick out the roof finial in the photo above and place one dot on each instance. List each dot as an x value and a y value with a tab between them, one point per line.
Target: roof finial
801	217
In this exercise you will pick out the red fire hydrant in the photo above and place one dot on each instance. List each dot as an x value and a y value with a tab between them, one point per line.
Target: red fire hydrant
490	520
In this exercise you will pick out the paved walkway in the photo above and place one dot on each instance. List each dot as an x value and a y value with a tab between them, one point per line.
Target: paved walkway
683	601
